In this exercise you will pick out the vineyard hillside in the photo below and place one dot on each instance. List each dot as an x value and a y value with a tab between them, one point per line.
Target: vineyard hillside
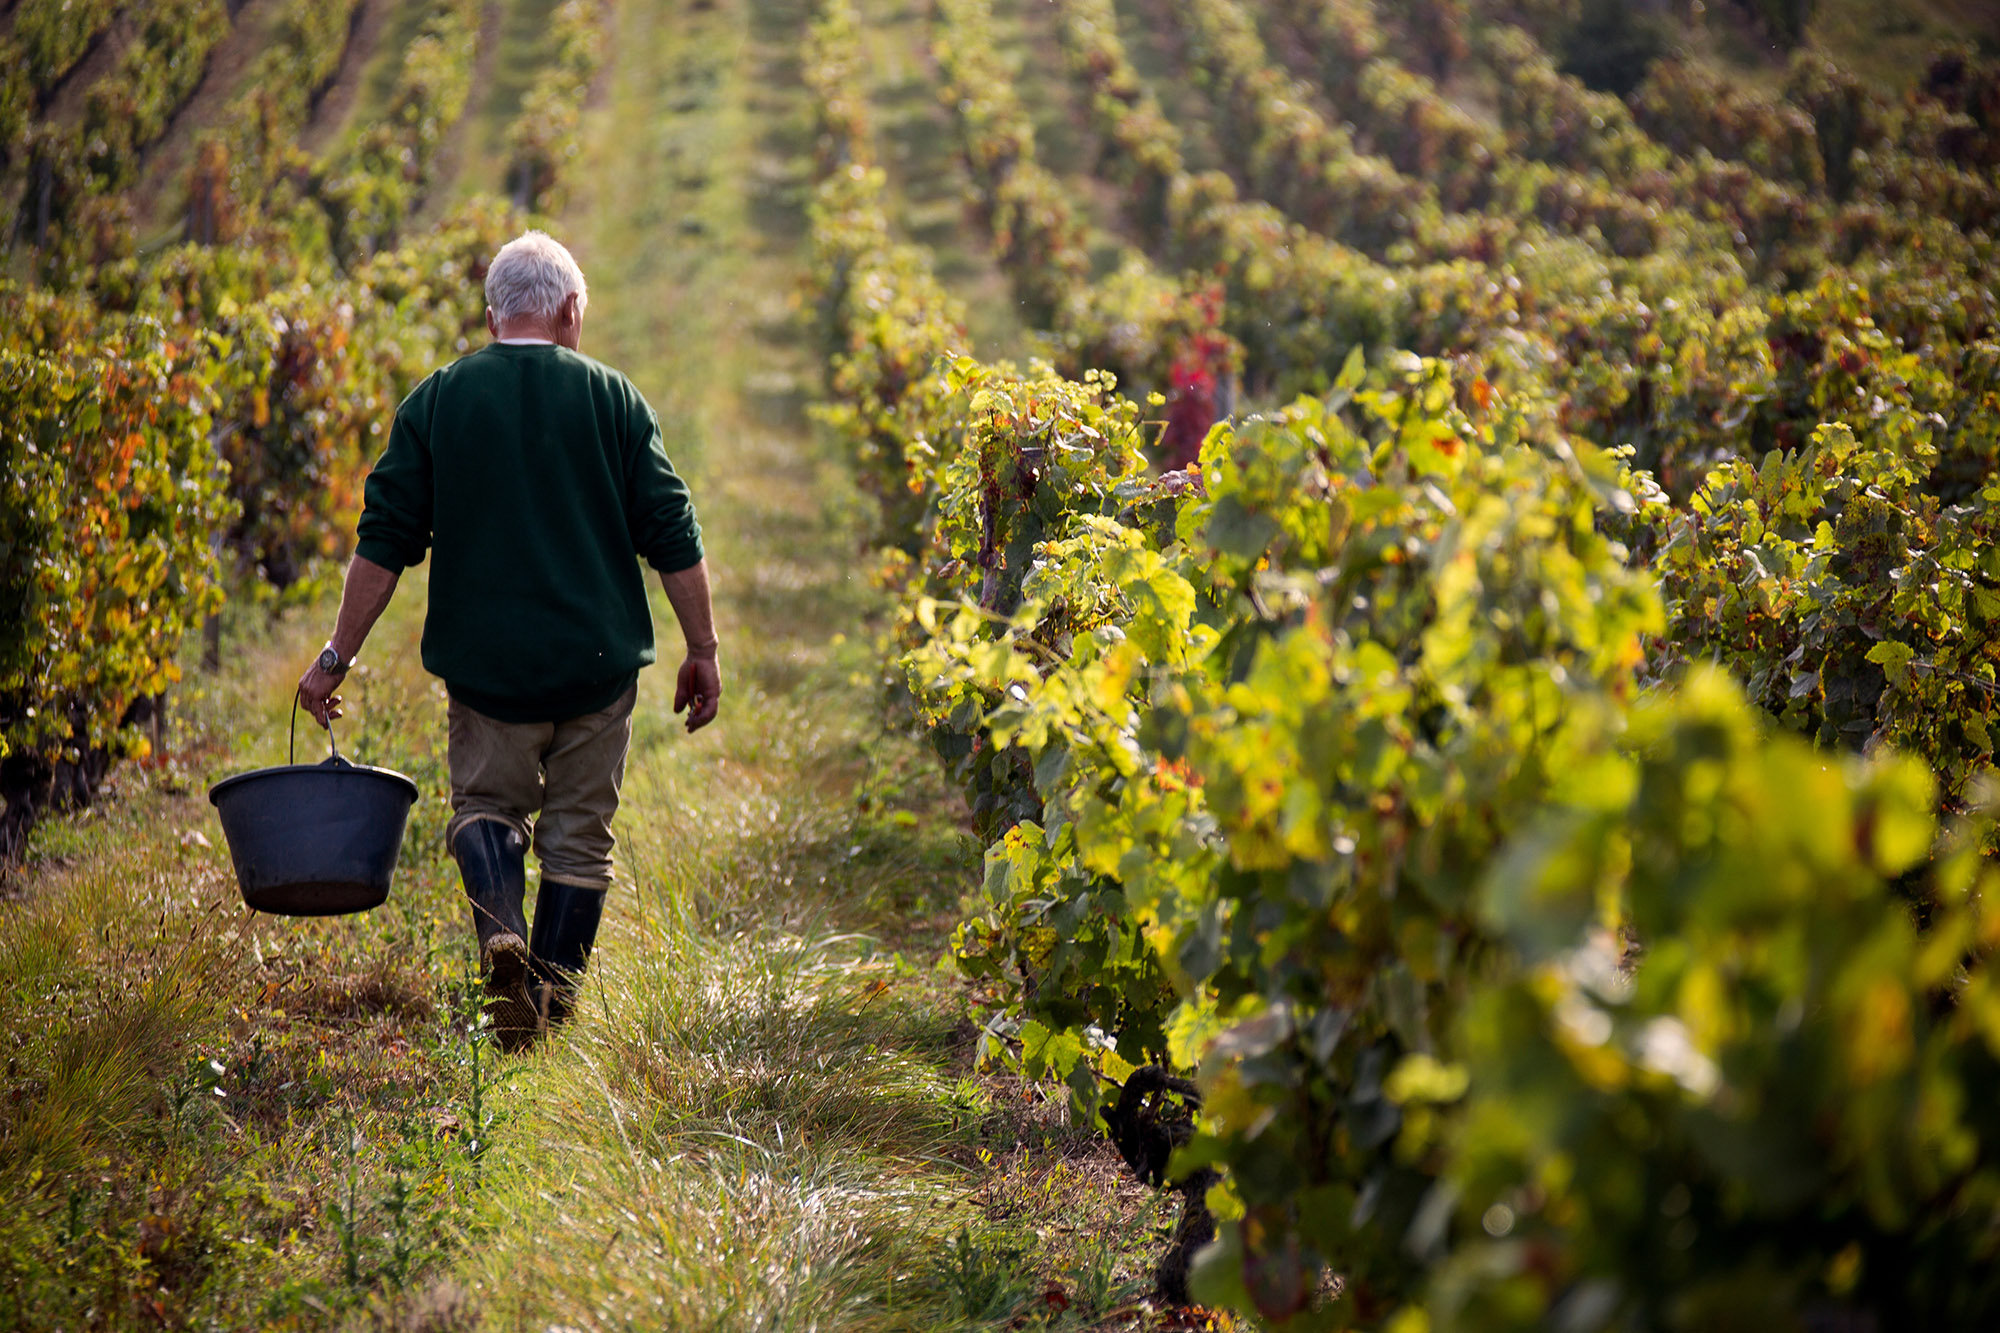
1361	656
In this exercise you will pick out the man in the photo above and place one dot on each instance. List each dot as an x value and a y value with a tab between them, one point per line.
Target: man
534	475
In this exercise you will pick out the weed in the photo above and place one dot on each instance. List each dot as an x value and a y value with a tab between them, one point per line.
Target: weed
469	1037
342	1213
981	1282
1099	1282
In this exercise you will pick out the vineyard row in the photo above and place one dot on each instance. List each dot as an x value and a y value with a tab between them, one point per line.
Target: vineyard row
1373	766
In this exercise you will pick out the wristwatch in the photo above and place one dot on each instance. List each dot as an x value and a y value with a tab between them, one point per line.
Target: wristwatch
329	661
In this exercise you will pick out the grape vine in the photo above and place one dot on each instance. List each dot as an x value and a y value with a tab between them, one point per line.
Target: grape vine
1379	768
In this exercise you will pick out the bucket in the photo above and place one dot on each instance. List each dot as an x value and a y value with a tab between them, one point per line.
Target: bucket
314	839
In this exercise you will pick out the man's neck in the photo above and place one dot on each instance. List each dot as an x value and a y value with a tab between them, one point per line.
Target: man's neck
526	331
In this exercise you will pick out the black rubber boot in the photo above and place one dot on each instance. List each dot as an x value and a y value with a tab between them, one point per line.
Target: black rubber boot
566	917
493	861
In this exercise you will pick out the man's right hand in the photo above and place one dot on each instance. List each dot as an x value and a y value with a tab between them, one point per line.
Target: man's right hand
317	697
698	691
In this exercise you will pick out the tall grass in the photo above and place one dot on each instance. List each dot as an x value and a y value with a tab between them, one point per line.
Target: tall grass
214	1118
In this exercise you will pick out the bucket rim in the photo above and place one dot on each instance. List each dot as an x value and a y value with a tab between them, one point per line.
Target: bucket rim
339	766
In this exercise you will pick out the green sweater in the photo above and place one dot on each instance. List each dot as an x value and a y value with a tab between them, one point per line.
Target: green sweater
536	475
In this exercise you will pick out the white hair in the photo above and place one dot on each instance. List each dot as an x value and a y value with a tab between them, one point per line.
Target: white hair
530	277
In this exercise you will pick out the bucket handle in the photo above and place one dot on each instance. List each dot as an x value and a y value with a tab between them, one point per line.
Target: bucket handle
292	749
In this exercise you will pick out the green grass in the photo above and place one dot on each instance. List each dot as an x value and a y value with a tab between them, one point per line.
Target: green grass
159	199
1887	44
766	1115
1155	52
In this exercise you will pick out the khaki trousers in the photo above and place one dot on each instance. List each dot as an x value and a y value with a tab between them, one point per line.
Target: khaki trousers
556	783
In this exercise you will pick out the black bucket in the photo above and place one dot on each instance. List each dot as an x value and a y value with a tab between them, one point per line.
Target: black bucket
314	839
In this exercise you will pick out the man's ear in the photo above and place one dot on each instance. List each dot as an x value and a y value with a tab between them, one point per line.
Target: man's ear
492	324
572	310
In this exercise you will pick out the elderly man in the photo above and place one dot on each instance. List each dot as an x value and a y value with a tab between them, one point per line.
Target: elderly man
534	475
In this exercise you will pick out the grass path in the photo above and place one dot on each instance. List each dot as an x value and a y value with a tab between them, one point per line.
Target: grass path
368	72
1066	140
459	167
918	143
159	199
767	1117
1155	49
513	45
358	60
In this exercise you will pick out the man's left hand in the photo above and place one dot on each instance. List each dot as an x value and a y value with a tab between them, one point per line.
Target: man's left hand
698	690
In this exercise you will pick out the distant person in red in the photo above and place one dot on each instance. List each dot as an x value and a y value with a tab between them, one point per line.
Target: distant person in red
536	479
1200	385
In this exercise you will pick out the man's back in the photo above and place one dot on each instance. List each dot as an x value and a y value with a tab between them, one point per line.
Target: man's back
535	474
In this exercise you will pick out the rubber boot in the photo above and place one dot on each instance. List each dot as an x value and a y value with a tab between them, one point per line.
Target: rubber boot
566	917
493	861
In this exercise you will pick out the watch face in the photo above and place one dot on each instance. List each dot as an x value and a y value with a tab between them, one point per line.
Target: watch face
329	661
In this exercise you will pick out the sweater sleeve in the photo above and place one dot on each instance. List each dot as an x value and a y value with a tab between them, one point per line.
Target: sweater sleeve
395	527
659	510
